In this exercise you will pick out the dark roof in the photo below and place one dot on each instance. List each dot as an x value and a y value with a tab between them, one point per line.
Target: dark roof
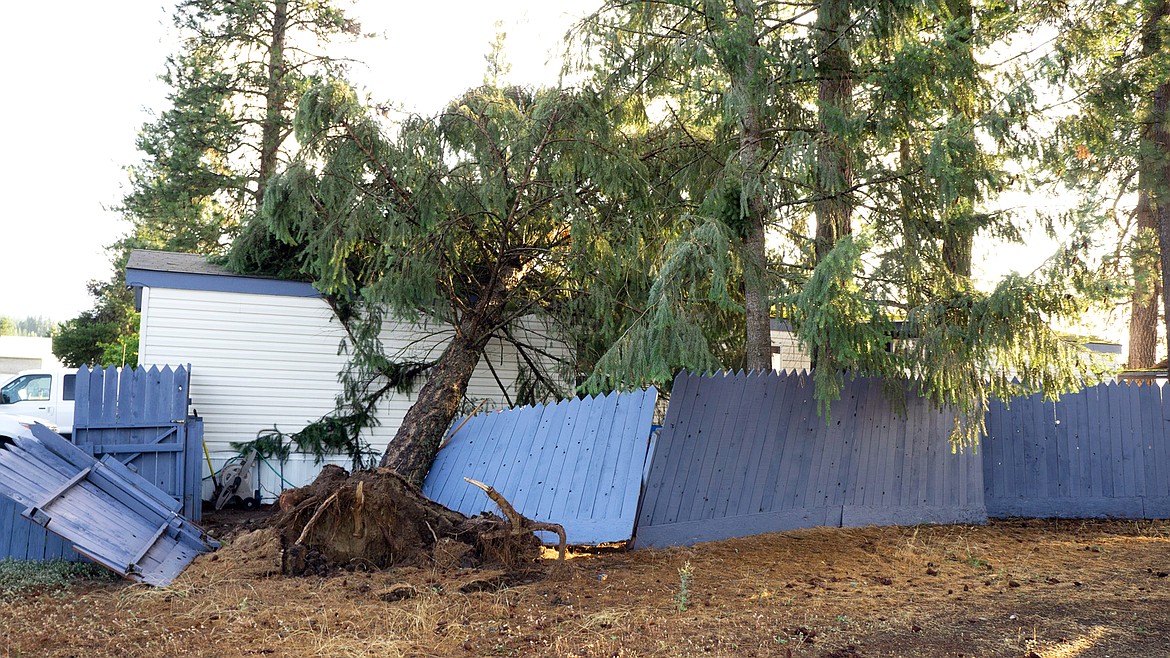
148	268
170	261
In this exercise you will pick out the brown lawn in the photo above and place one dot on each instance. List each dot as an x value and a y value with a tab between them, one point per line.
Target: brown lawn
1019	588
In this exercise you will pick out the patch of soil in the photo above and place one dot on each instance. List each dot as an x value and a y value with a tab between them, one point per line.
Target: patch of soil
1084	588
229	522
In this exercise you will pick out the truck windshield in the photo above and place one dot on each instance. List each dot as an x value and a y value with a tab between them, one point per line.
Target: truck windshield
26	388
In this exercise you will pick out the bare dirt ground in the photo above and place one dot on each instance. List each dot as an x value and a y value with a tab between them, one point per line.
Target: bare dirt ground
1018	588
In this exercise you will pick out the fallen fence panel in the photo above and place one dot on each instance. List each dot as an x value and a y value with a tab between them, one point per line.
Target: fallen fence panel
578	463
110	514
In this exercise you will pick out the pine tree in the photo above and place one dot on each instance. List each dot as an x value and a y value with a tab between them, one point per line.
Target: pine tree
1112	60
880	125
716	67
475	218
236	83
206	159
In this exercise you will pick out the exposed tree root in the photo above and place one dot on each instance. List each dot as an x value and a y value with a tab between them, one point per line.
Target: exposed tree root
377	520
520	523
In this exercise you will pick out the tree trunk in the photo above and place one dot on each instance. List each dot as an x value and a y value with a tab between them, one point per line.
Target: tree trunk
834	172
959	225
275	98
1154	156
1160	136
911	233
745	85
1143	320
417	441
835	104
757	304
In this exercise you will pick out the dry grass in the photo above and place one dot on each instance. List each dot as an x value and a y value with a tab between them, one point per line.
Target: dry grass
1049	589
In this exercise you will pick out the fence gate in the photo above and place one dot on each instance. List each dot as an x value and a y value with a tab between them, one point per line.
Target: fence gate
139	416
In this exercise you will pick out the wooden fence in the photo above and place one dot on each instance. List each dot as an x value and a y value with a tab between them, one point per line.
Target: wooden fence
578	463
140	417
741	454
1101	452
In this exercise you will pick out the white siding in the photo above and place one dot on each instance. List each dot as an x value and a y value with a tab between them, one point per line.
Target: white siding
788	352
264	360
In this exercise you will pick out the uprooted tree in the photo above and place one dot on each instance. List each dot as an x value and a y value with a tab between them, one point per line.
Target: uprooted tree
476	219
376	519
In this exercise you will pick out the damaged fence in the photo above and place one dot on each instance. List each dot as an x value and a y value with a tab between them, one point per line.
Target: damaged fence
741	454
578	463
138	416
108	513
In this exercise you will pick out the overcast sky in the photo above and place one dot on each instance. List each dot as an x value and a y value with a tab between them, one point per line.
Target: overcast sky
81	79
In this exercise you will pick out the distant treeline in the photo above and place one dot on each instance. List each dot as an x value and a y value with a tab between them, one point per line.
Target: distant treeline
30	326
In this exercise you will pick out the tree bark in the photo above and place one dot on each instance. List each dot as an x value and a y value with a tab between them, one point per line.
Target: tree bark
1147	291
1160	136
1153	208
834	172
1154	154
417	441
757	304
275	98
834	211
745	85
959	226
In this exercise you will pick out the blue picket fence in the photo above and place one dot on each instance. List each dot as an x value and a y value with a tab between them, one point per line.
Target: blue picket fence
138	416
745	453
578	463
1103	451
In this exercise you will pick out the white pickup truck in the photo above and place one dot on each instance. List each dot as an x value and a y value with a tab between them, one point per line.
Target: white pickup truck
44	394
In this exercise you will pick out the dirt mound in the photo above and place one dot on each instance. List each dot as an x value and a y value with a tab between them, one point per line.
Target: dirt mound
374	520
254	554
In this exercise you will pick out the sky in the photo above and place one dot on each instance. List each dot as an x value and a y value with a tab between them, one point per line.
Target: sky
82	79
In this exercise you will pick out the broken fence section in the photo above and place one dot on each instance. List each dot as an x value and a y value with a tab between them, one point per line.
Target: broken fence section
578	463
110	514
742	454
139	415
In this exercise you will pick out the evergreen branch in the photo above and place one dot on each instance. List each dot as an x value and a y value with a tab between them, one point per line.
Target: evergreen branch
495	376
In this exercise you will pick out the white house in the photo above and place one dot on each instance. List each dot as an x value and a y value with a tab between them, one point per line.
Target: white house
788	353
267	352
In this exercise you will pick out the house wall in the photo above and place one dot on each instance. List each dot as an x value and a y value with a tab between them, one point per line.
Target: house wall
260	360
787	352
